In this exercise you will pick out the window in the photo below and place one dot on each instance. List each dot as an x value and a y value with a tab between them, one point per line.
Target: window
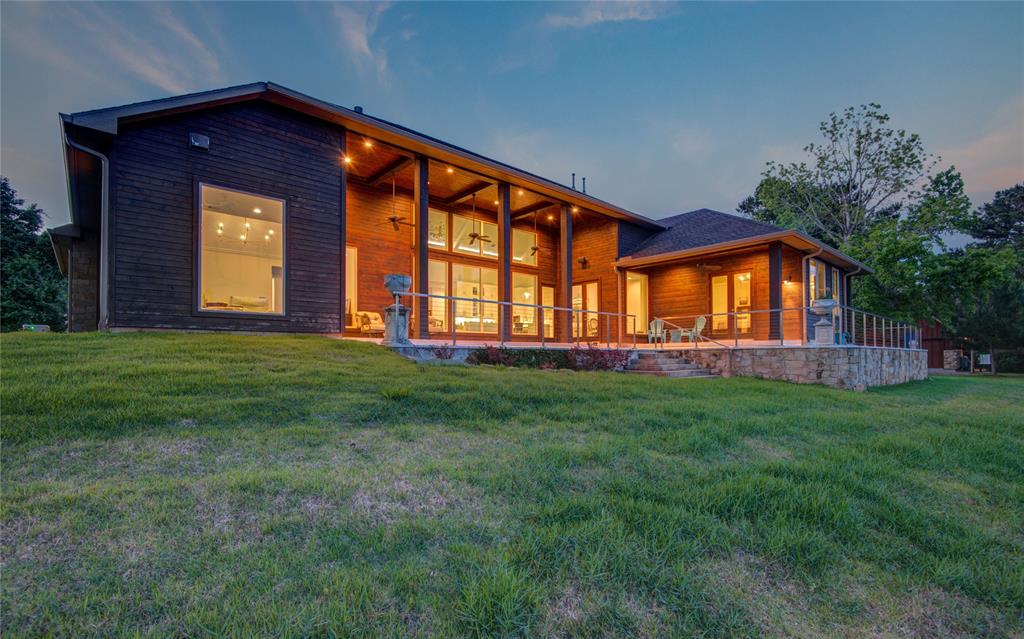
351	285
547	295
437	277
476	283
241	258
474	237
636	302
437	231
524	247
524	291
816	280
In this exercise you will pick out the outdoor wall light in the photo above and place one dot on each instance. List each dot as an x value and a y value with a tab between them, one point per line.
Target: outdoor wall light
583	262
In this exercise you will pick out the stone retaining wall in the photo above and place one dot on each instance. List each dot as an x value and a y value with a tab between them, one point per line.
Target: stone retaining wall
852	367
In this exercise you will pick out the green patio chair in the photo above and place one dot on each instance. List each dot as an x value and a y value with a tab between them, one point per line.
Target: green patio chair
694	334
656	331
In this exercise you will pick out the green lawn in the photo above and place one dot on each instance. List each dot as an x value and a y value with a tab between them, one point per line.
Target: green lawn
204	485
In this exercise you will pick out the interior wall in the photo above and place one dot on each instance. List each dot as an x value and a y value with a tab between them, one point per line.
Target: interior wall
228	274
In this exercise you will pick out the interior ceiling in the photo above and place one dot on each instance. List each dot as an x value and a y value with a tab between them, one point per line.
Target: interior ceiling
370	159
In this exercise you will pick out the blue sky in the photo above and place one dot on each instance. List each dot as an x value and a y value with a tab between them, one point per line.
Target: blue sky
664	107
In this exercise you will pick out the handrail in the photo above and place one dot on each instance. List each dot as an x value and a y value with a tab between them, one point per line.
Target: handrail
540	308
850	326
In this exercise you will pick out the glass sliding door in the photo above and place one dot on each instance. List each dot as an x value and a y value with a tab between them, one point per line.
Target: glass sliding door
636	302
437	282
524	291
351	285
547	294
585	298
476	283
731	302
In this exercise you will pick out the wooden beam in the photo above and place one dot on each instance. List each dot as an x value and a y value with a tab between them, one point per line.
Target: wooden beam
565	270
774	288
387	171
505	257
421	208
458	196
520	213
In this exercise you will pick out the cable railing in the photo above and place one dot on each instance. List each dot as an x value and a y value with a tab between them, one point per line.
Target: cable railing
585	323
862	328
849	327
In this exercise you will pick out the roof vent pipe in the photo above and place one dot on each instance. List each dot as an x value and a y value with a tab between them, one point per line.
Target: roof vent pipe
584	185
358	109
573	181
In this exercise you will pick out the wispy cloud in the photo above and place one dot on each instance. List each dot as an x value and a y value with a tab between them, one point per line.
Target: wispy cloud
595	12
995	160
107	33
357	25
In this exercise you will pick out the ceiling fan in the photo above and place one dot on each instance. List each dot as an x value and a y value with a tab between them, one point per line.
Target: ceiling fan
474	236
534	248
394	219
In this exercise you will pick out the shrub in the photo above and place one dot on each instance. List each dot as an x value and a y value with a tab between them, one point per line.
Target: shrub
576	358
443	351
596	359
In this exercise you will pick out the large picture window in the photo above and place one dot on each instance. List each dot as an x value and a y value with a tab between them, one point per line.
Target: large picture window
241	255
478	284
524	291
474	237
524	247
437	231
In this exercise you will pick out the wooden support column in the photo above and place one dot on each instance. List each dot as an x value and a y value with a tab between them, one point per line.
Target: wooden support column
342	238
421	210
565	271
505	257
774	288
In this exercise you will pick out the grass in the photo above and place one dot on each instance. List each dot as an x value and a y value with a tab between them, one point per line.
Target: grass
205	485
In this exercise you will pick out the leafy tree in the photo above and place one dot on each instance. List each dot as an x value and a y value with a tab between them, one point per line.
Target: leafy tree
861	173
32	290
1000	222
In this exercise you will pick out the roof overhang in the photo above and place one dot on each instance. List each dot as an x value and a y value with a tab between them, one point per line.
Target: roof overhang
108	121
61	238
795	239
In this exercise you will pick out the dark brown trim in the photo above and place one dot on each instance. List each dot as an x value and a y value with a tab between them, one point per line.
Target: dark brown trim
421	205
505	258
774	287
565	267
525	211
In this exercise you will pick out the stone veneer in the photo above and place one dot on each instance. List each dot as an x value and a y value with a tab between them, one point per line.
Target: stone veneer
851	367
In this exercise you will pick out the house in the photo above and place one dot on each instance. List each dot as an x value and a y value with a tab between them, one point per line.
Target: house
258	208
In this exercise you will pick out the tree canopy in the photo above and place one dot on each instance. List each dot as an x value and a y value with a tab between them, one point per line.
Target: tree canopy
32	290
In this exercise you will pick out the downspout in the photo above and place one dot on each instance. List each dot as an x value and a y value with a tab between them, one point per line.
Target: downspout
804	274
104	293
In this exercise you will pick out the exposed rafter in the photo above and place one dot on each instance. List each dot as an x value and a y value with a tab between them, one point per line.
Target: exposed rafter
525	211
458	196
392	168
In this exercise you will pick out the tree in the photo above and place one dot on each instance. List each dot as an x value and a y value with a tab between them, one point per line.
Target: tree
32	290
861	173
1000	222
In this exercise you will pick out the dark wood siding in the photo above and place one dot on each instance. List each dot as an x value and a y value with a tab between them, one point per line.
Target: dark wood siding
254	147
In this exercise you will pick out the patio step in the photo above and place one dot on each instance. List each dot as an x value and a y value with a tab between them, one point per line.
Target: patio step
666	364
689	372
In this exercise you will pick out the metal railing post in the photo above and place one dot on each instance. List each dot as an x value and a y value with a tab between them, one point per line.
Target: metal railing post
735	329
540	325
451	318
782	316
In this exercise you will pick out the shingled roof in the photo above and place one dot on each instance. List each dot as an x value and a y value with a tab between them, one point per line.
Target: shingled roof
702	227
